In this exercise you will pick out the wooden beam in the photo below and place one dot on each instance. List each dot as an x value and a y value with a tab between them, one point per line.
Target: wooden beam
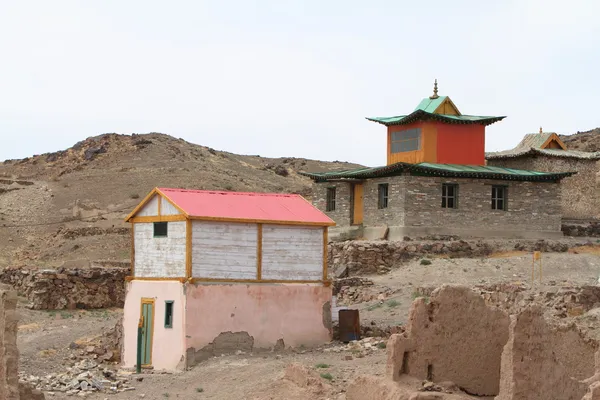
188	248
163	218
141	278
159	205
259	252
132	251
325	240
142	204
217	280
181	210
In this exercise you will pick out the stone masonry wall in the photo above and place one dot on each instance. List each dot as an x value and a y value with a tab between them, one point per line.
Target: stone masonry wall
69	288
579	192
532	206
415	201
343	199
393	214
358	257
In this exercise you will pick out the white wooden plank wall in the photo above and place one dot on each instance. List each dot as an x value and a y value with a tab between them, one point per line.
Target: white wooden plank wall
150	209
292	253
224	250
159	257
166	208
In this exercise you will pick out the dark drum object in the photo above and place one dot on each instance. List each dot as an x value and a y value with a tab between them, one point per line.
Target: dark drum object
349	325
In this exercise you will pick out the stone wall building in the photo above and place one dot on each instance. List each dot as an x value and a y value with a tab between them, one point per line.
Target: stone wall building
545	151
436	182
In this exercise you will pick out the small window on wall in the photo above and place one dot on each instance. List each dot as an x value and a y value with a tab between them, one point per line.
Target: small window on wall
449	195
330	199
160	229
169	314
499	198
382	190
408	140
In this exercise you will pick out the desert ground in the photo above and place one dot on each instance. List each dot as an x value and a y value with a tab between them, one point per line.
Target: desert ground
52	342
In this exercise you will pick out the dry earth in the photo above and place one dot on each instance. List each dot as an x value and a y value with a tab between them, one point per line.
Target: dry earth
63	207
45	337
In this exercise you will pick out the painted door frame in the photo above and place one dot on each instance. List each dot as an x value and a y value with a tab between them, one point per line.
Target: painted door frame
358	207
151	301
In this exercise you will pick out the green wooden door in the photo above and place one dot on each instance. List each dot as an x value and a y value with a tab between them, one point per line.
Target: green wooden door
147	330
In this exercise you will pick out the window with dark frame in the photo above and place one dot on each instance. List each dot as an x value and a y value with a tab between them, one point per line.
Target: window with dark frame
449	195
330	199
168	313
499	198
407	140
160	229
382	190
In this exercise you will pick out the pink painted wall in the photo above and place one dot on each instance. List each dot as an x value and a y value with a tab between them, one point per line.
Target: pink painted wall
168	346
292	312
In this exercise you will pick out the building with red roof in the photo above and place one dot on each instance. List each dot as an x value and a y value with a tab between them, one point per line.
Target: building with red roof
214	272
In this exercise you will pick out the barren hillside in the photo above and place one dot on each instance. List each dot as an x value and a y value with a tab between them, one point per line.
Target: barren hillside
584	141
69	205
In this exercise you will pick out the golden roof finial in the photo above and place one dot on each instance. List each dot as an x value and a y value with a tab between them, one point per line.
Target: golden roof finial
435	91
541	130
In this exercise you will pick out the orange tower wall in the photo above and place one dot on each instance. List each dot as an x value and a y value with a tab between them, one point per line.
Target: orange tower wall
461	144
443	144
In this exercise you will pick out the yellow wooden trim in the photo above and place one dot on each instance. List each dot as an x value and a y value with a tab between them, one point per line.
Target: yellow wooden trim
554	137
311	204
159	205
172	202
325	242
259	236
147	300
142	278
188	248
162	218
141	204
262	221
447	107
217	280
132	266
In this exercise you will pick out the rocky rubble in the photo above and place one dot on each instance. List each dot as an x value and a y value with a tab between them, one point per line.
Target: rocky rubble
359	348
56	289
83	379
591	229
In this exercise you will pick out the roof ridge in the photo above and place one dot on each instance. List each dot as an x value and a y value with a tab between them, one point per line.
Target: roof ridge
231	193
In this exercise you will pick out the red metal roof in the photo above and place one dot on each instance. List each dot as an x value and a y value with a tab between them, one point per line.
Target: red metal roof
261	207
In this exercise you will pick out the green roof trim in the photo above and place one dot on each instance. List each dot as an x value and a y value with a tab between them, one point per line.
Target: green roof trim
440	170
420	115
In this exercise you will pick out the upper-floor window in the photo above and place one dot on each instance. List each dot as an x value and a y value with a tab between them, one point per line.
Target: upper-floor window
449	195
382	195
160	229
407	140
499	198
330	199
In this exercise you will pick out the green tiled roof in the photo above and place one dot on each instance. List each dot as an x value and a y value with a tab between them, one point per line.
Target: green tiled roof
424	111
445	170
430	105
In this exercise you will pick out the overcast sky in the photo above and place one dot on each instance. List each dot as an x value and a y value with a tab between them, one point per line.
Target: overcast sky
290	78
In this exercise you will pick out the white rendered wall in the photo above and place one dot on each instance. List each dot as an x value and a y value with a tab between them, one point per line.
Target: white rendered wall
160	257
292	253
224	250
150	209
166	208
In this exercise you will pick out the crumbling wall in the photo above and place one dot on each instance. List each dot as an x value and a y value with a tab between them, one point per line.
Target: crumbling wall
532	366
10	389
55	289
358	257
455	337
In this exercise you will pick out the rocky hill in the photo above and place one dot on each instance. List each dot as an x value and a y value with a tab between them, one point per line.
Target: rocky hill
583	141
68	206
